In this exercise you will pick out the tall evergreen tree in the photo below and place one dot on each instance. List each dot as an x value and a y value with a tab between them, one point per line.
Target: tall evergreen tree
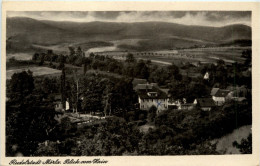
62	89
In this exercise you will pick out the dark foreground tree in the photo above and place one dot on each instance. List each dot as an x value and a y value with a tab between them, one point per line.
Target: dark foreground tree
21	85
152	113
29	119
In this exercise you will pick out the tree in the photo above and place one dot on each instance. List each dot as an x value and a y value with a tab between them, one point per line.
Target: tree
173	70
72	51
130	58
92	92
35	57
21	85
107	95
79	61
47	86
49	55
144	73
141	70
42	59
113	137
61	60
29	118
79	52
248	55
87	63
129	70
178	90
62	88
91	55
220	62
160	75
123	96
152	113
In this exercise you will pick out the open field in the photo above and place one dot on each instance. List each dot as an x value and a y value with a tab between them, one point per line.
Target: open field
37	71
145	128
19	56
202	55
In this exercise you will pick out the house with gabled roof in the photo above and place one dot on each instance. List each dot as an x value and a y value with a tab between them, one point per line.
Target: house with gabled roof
59	106
214	91
206	104
151	95
137	81
219	96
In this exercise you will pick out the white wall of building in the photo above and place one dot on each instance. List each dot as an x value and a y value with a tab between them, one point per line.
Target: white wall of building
219	100
146	104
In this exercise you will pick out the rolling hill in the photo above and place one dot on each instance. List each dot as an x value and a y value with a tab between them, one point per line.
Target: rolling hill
23	32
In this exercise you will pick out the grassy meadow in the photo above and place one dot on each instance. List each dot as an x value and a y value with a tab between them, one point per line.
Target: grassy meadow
37	71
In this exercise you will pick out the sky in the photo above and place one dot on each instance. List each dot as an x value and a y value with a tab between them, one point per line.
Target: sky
203	18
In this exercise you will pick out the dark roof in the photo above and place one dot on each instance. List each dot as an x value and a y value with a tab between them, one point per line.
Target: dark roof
143	93
205	102
145	86
137	81
187	104
57	97
222	93
214	91
165	90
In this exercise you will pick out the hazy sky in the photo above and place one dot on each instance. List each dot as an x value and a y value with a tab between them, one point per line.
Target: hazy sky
206	18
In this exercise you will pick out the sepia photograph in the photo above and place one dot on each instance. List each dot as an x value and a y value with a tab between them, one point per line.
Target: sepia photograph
127	83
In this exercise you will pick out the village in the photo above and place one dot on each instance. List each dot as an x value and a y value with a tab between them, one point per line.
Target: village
96	92
147	88
150	94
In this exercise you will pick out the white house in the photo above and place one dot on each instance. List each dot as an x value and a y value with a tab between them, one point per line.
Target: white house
174	104
220	96
151	95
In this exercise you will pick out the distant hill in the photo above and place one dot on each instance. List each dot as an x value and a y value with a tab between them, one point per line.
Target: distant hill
23	32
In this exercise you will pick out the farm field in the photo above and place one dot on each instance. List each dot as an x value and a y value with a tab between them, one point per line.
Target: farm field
19	56
202	55
37	71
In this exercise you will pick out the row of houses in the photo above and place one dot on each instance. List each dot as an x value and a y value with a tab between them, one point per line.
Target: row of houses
150	94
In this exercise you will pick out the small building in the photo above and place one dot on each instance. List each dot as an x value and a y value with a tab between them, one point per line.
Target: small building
186	106
173	104
151	95
206	104
180	104
137	81
59	105
206	76
220	96
214	91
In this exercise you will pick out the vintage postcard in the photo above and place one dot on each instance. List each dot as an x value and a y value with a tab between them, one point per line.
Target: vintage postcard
130	83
